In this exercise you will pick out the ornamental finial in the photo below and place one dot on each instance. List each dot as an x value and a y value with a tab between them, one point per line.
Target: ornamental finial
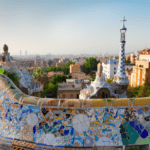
123	20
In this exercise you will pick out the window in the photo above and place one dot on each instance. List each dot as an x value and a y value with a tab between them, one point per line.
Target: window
63	96
77	95
71	96
122	87
114	72
114	68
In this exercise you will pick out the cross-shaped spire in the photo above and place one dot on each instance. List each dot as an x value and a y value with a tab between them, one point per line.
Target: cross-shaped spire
123	20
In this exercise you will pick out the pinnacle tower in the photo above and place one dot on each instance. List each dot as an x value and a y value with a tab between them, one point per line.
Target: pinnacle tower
121	77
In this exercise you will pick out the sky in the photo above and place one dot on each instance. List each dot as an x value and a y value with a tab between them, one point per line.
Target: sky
73	26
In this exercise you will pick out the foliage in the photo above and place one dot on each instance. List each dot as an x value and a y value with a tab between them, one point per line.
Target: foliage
145	91
61	68
92	78
90	64
110	80
11	74
42	95
127	61
134	92
39	72
67	65
2	70
139	91
58	68
51	87
58	79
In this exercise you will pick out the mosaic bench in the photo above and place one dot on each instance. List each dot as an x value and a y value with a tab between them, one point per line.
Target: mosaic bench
28	122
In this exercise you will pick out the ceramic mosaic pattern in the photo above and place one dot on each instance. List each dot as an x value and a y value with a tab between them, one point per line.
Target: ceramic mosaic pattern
90	127
59	127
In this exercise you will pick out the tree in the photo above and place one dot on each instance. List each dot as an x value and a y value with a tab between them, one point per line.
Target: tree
39	72
11	74
90	64
67	65
127	61
92	79
59	78
145	90
51	87
59	68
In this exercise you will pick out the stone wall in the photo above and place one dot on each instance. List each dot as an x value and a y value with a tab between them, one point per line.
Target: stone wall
68	94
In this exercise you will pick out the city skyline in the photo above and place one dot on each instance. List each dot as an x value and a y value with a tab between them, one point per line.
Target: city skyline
65	27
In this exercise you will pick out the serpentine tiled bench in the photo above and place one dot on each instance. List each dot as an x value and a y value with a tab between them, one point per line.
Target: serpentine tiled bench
28	122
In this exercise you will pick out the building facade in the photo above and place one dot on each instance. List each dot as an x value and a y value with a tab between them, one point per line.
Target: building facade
71	89
144	57
110	68
140	70
75	68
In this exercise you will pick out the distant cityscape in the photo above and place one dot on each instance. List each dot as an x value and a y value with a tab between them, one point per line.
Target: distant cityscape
74	75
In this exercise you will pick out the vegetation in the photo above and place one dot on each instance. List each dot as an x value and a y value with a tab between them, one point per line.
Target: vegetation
61	68
90	64
51	87
39	72
67	65
12	75
139	91
127	61
110	80
92	78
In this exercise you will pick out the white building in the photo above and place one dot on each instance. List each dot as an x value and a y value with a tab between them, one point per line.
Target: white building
110	68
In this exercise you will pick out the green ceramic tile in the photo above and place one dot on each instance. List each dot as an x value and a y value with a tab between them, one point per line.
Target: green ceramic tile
125	124
124	141
138	141
146	140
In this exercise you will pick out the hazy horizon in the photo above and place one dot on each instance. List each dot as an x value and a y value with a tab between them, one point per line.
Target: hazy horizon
76	26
